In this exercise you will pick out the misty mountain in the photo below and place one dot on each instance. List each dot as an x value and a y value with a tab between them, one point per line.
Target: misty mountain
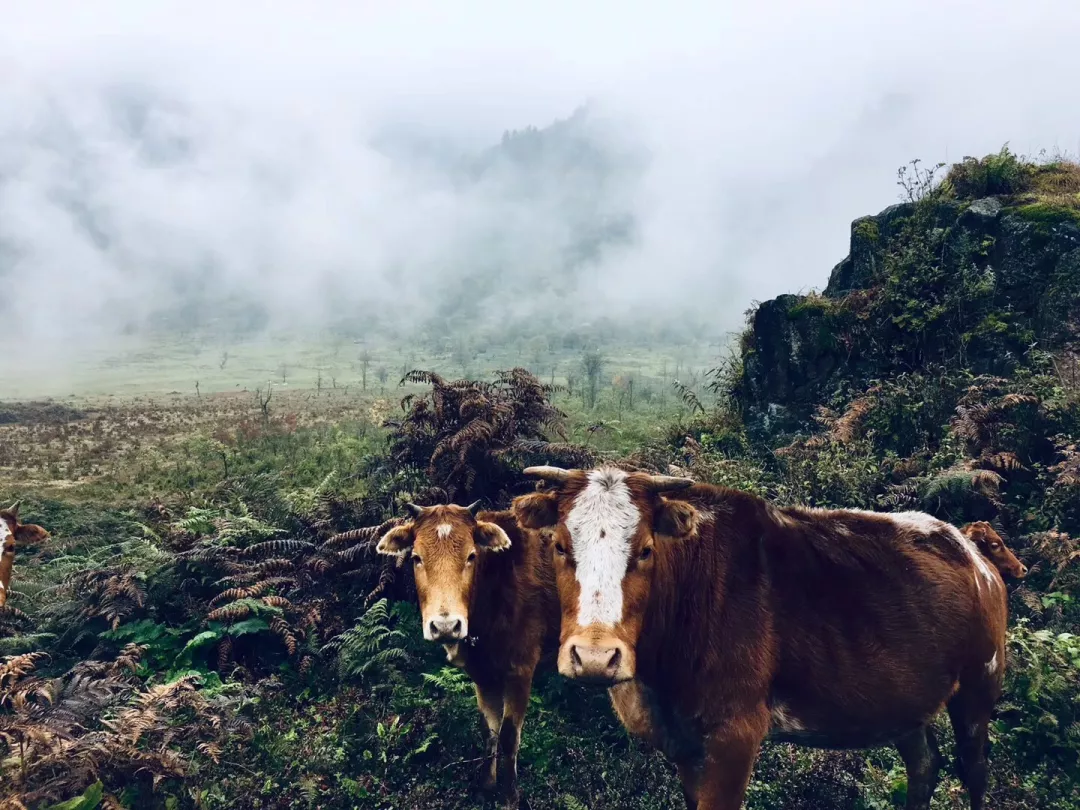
511	228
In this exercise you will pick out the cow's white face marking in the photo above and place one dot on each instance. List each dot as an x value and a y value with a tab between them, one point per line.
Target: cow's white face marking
5	532
992	666
926	524
602	523
783	721
443	530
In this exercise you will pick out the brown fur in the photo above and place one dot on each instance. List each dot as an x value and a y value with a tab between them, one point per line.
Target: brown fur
24	533
991	546
507	598
837	629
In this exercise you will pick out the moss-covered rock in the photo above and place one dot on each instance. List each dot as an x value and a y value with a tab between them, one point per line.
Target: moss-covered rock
942	281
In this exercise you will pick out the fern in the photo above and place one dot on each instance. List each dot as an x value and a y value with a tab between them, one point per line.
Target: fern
688	397
372	647
461	431
449	679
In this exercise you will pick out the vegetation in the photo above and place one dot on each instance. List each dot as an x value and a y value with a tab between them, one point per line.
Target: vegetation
209	627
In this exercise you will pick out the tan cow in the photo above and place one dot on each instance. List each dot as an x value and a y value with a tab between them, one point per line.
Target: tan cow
11	531
991	546
487	594
720	620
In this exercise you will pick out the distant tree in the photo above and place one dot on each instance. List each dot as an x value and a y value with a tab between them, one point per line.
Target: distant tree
592	366
263	399
284	373
366	359
383	374
224	360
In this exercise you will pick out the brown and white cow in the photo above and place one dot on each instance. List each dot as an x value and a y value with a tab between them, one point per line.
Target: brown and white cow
11	531
487	594
991	546
720	620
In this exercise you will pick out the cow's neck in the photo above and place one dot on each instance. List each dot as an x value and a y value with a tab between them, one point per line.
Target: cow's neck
695	582
496	582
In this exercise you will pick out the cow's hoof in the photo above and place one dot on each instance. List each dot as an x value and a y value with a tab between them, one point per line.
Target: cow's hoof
510	801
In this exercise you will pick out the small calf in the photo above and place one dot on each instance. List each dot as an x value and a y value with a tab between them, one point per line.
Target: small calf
10	532
487	593
992	547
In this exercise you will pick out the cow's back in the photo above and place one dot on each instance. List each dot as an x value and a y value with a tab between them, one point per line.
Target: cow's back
854	627
877	620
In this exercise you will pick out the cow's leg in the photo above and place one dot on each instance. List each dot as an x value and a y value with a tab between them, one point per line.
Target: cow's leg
690	776
969	711
730	751
490	701
515	704
923	761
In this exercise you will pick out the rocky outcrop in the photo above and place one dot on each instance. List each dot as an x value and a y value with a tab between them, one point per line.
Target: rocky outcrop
940	283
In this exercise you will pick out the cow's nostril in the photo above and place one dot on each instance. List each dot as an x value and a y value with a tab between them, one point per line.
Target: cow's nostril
434	629
616	659
457	627
575	659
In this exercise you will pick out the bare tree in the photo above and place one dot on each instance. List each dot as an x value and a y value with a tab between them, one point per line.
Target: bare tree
365	363
264	399
383	375
224	360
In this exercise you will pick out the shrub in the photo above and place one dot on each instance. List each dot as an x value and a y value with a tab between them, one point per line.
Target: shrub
1003	173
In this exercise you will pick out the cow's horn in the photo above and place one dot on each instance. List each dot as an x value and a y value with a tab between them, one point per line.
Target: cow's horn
667	483
556	475
13	510
474	507
413	509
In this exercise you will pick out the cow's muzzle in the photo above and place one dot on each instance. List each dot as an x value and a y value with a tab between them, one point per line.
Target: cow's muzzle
605	661
447	627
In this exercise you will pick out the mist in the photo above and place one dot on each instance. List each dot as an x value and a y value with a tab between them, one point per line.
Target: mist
170	167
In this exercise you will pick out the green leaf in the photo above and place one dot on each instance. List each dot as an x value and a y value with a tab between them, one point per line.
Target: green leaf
88	801
247	626
201	640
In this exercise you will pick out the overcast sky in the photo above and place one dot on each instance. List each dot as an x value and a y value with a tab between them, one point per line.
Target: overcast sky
769	125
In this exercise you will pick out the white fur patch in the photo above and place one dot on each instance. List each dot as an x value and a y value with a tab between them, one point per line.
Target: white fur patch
602	523
5	531
783	721
926	524
992	666
443	530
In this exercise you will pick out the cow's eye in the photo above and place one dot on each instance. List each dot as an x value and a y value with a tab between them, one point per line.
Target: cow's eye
471	557
560	549
994	546
645	553
417	561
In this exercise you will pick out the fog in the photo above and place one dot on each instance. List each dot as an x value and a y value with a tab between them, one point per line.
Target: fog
284	166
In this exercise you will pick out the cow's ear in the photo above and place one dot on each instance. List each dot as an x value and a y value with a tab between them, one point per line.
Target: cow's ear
537	510
397	541
676	518
490	536
28	534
